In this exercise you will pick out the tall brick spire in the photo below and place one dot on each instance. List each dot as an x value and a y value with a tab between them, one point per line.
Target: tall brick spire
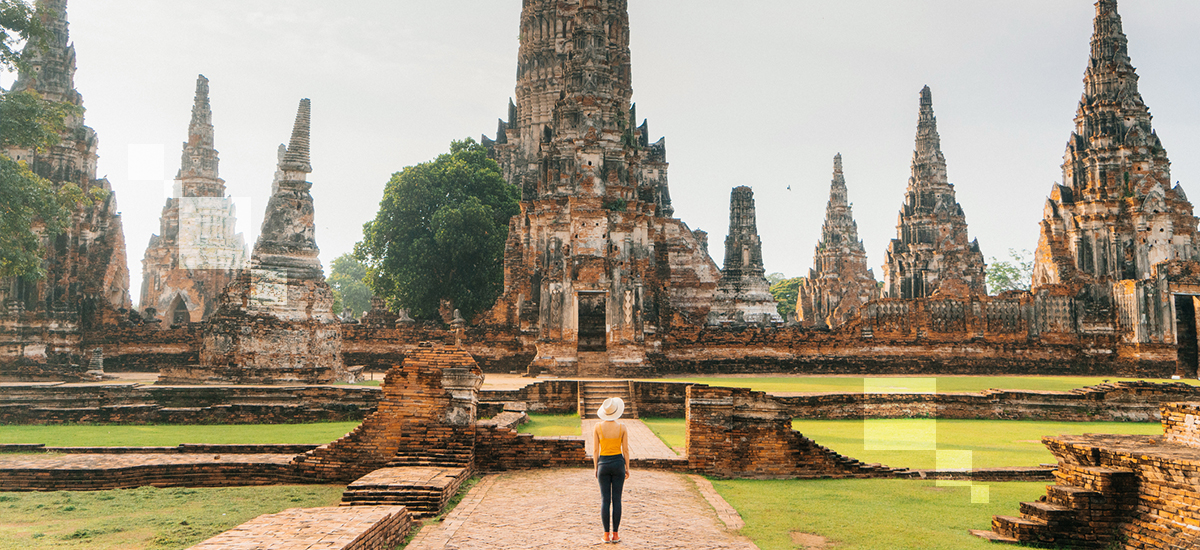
931	251
743	292
296	159
1116	213
198	169
839	281
51	70
288	240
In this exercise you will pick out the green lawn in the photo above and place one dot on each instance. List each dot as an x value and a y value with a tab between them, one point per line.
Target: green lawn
914	442
870	514
550	425
944	384
670	430
75	435
150	518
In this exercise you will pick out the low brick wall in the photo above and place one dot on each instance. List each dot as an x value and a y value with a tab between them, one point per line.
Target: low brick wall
225	474
1181	423
143	404
500	449
184	448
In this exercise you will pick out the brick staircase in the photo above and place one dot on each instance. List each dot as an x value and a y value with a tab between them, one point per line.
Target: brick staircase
1081	511
447	458
424	491
592	394
592	364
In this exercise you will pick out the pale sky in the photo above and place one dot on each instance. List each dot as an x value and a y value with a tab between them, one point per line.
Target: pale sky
761	93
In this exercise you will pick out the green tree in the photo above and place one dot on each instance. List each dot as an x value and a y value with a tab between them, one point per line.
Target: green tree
18	24
440	234
348	277
1013	274
785	292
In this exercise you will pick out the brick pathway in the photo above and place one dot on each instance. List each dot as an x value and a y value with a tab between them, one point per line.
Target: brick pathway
557	509
642	442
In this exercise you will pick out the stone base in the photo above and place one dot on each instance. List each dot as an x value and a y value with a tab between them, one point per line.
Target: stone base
423	491
334	528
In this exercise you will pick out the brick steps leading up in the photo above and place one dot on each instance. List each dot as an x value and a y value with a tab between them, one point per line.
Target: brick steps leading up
592	394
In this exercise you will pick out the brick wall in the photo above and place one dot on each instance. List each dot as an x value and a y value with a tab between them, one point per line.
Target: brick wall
428	409
1181	423
500	449
734	432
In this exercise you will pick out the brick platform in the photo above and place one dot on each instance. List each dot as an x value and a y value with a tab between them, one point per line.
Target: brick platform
334	528
424	491
93	472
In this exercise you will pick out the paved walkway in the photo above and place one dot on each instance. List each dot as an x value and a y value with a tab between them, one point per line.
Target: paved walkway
642	442
557	509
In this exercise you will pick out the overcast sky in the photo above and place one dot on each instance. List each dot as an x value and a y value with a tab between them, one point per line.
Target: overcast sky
761	93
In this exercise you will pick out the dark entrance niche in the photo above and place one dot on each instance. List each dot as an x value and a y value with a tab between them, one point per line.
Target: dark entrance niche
179	312
1186	349
593	321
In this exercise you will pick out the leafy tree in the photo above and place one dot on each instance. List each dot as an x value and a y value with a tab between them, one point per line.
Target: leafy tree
350	291
440	234
775	277
785	292
18	24
1013	274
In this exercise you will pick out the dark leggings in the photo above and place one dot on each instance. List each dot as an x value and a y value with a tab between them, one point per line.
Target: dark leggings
612	480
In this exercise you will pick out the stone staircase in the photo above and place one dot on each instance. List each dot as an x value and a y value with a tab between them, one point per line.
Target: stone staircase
592	394
592	364
446	458
1081	511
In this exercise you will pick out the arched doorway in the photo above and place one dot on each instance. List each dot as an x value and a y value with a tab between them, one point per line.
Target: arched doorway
178	312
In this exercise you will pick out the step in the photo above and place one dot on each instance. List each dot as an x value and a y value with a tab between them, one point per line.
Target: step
1024	530
992	536
1077	498
1048	513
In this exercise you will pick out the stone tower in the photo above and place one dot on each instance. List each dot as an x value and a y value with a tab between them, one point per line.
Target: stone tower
87	277
594	264
743	293
197	252
839	281
275	322
1116	213
931	252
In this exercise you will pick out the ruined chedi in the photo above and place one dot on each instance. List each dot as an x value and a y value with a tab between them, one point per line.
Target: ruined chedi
86	275
275	322
931	252
1116	214
839	281
595	266
197	252
743	293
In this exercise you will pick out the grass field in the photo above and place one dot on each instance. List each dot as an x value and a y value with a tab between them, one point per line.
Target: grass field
76	435
943	384
670	430
870	514
552	425
156	519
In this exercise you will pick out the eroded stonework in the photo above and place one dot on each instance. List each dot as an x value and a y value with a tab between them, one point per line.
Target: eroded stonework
931	252
1116	214
743	294
87	277
839	281
275	323
197	252
595	264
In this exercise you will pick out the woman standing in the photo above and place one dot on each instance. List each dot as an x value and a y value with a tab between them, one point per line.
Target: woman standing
611	458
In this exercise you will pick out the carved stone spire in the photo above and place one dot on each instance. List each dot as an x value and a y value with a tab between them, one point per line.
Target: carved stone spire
198	169
839	281
743	293
51	70
931	251
1116	213
288	242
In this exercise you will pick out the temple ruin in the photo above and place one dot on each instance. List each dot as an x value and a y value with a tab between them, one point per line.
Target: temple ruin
930	252
275	322
839	282
197	252
595	267
743	294
86	275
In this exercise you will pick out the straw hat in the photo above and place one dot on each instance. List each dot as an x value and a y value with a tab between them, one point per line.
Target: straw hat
612	409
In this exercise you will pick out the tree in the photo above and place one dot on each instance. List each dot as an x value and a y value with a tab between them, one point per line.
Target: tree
18	24
785	292
348	277
440	234
1014	274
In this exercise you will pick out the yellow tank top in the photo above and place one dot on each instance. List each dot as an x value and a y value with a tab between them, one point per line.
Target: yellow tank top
609	447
